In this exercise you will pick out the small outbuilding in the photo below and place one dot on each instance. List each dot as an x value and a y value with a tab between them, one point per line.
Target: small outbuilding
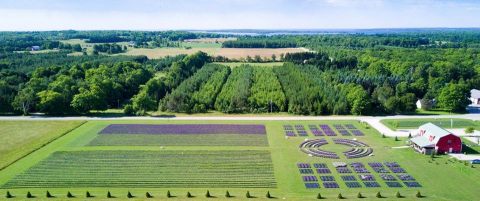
432	138
35	48
475	96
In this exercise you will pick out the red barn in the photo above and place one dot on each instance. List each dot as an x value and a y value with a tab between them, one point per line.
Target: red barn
431	138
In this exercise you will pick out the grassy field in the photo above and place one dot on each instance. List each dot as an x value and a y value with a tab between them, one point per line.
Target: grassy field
442	122
136	169
22	137
212	49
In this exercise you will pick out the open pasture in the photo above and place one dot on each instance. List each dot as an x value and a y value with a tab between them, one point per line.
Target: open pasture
442	122
212	50
77	162
19	138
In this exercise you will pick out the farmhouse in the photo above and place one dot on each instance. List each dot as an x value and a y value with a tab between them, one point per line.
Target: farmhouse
432	138
35	48
475	96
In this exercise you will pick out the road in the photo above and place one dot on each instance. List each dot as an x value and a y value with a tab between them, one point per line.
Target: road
374	121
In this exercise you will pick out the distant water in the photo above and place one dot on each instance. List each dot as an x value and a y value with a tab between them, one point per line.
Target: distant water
260	32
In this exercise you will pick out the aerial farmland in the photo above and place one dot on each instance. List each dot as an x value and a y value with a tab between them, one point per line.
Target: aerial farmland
295	160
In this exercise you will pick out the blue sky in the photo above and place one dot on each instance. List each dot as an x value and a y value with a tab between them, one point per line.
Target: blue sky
235	14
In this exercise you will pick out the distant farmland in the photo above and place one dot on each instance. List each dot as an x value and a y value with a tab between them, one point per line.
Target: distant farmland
232	53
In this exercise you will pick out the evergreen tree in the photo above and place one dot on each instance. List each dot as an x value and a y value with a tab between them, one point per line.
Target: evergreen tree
70	195
359	195
227	194
48	195
169	195
319	196
208	194
129	195
340	196
9	195
29	195
379	195
189	195
148	195
268	195
398	195
88	195
248	195
418	195
109	195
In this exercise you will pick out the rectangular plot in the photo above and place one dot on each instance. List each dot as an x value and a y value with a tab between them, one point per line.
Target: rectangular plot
184	129
371	184
393	184
353	185
331	185
348	178
312	185
412	184
150	169
179	140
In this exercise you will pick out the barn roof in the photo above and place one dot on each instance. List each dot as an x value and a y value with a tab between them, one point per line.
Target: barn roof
422	141
429	135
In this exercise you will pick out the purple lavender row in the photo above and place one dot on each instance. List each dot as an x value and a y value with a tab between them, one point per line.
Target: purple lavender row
184	129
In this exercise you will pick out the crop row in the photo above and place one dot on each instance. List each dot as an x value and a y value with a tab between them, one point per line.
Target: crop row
212	169
177	140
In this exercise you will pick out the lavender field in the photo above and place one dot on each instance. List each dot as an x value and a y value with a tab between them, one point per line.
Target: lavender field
184	129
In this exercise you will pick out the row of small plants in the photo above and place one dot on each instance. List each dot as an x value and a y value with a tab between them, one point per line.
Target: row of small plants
207	195
130	195
378	195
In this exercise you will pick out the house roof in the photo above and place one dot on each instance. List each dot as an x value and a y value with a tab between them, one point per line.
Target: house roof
475	93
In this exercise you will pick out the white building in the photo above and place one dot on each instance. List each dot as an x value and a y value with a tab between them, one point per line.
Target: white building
475	97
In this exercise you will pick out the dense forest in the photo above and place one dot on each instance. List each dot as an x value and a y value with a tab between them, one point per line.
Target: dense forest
360	74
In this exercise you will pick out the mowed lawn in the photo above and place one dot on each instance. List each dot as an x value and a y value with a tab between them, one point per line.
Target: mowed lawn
442	122
441	178
19	138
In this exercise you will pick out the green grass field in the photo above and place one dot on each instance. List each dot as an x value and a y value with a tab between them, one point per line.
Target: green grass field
72	163
442	122
19	138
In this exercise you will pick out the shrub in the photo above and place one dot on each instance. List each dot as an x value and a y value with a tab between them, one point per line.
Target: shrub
29	195
129	195
398	195
340	196
383	135
48	195
379	195
109	195
227	195
169	195
88	195
208	194
359	195
248	195
396	138
469	130
189	195
148	195
268	195
70	195
418	195
319	196
9	195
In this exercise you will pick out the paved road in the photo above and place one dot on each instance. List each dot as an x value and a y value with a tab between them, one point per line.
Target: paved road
374	121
